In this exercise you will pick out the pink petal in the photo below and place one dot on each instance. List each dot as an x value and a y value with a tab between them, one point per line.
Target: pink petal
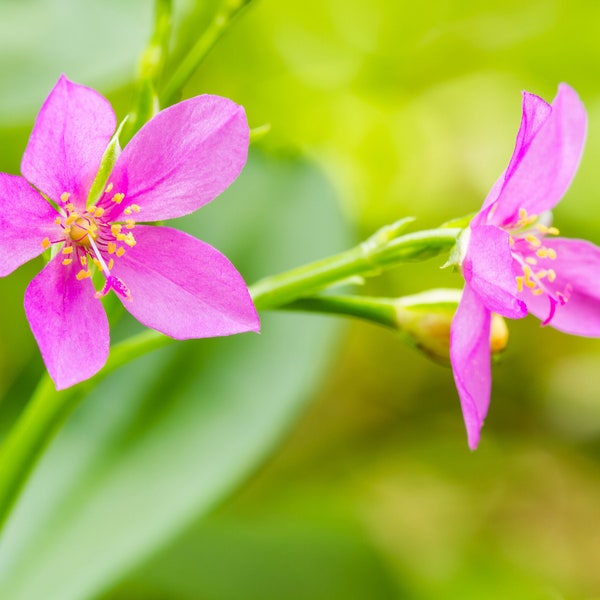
182	159
546	156
68	139
183	287
488	269
535	111
577	266
68	323
25	220
470	357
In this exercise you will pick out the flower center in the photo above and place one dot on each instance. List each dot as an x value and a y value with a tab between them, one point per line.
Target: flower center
535	260
90	240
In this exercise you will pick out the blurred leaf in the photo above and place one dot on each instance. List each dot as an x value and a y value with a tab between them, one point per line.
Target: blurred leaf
163	441
88	40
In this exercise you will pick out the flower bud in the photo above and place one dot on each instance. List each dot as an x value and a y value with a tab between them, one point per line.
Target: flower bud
425	320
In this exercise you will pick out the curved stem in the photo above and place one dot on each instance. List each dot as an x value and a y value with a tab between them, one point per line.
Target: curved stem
200	49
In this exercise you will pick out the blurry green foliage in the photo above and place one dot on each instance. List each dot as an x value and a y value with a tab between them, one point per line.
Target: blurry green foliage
409	109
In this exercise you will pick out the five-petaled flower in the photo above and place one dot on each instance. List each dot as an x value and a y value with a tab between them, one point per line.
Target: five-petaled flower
180	160
513	262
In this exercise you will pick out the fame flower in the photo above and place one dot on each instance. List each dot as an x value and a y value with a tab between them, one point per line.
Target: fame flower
180	160
513	262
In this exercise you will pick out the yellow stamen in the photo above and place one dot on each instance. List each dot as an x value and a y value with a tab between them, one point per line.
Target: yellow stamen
551	253
520	280
537	292
65	197
120	251
130	240
83	274
67	261
118	198
129	223
530	260
135	208
128	210
98	211
57	221
45	243
71	218
534	241
542	252
67	250
97	262
115	228
69	207
109	188
83	260
111	246
111	264
553	231
551	275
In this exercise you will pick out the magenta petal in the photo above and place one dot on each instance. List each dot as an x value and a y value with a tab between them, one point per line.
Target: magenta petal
68	139
535	111
546	156
488	269
183	287
183	158
577	266
68	323
470	357
25	220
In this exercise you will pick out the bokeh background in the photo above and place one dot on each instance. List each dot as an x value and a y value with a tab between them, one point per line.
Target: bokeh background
323	459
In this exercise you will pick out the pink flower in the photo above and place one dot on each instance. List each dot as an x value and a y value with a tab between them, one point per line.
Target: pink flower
513	263
184	157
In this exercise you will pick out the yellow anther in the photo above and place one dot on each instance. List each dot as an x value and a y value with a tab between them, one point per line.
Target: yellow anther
553	231
135	208
128	210
71	218
58	221
111	264
111	246
551	275
533	240
537	292
121	237
69	207
120	251
67	261
98	211
522	214
541	274
45	243
530	260
130	240
109	188
83	260
118	198
542	252
67	250
520	280
97	262
528	273
551	252
115	228
65	196
83	274
129	223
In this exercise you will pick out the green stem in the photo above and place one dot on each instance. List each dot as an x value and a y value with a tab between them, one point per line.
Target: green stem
48	408
367	259
375	310
200	49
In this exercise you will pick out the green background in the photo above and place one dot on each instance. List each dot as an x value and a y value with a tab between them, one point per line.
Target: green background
322	459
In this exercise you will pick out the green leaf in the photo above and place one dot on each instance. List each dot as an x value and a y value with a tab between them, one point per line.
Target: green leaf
160	443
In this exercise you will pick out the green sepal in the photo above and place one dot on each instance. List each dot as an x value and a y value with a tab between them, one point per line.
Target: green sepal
106	166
